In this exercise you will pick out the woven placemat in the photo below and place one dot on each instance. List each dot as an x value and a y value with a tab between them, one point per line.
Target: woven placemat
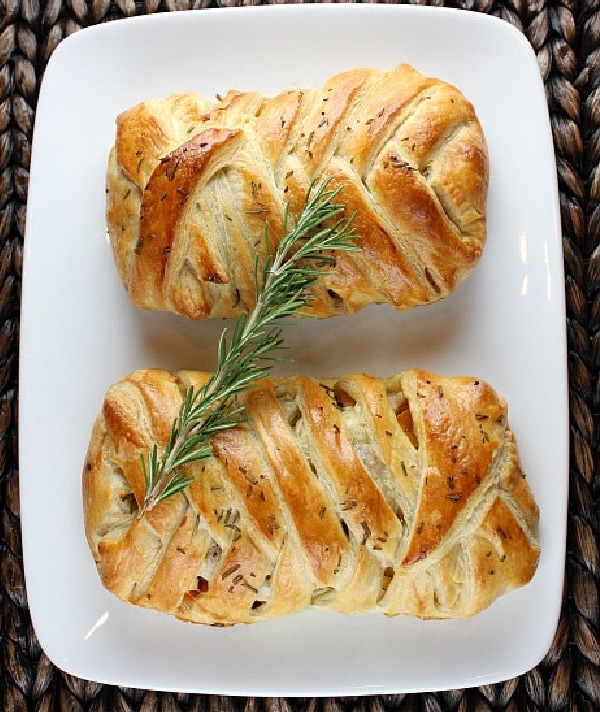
566	38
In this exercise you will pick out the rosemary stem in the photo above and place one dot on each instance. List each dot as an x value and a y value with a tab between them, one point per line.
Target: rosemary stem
281	290
153	497
212	388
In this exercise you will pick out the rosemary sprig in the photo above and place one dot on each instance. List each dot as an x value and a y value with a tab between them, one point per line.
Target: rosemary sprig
246	355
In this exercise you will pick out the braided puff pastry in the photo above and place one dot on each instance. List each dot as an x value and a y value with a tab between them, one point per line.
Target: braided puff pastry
401	495
191	184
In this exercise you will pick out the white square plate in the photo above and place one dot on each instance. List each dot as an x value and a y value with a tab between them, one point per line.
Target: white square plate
79	333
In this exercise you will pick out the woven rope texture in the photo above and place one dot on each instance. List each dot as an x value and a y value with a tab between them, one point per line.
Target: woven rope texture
566	39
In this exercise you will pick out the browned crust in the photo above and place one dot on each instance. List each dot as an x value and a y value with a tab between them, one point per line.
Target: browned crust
192	183
401	495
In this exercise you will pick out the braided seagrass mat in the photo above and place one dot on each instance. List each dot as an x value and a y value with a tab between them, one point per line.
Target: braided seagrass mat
565	35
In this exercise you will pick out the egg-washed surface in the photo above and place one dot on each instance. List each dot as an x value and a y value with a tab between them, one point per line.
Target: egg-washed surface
191	184
402	495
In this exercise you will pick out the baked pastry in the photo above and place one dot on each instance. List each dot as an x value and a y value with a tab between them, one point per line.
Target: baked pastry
192	183
403	495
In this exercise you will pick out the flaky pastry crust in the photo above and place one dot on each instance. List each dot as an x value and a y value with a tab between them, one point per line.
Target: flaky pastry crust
191	184
403	495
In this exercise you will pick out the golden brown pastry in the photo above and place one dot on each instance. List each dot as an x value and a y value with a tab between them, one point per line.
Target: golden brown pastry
191	184
402	495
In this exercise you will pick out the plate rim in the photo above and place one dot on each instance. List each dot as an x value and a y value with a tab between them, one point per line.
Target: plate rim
80	36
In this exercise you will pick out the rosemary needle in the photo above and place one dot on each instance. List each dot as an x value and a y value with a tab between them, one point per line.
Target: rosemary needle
246	354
